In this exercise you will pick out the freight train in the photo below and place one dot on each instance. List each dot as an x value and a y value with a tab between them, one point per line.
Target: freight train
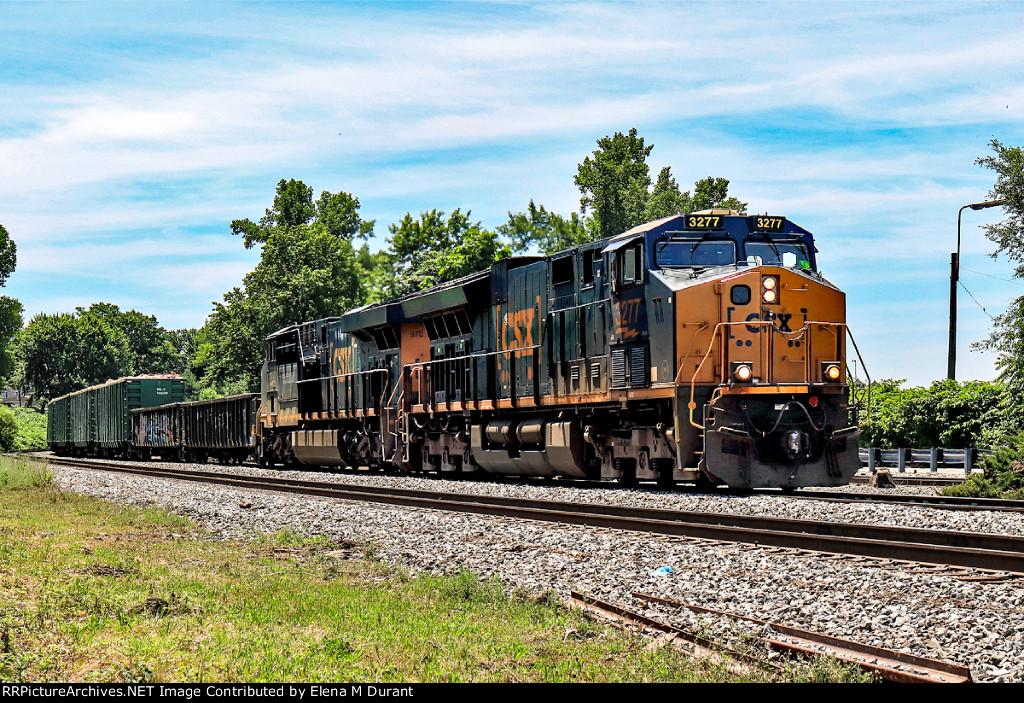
702	347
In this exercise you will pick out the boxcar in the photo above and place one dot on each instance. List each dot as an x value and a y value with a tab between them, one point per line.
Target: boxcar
96	421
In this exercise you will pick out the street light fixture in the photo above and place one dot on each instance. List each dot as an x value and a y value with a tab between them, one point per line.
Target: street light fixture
954	278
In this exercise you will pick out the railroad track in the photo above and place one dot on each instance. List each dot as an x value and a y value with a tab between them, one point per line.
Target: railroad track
942	502
907	479
885	664
989	552
931	501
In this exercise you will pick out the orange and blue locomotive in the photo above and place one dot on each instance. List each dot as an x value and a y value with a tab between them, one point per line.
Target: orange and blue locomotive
699	347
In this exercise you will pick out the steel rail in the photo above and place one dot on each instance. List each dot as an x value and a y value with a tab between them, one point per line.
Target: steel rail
913	479
886	663
993	552
1012	505
917	500
702	646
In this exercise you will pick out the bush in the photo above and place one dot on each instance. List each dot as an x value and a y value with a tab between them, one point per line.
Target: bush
8	429
1002	474
974	487
946	414
31	429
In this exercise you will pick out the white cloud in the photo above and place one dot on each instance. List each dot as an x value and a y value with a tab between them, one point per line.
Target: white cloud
487	107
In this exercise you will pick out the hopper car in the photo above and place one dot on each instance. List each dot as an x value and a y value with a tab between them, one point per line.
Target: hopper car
222	429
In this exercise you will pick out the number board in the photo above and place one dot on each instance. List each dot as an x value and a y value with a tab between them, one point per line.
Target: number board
703	222
767	223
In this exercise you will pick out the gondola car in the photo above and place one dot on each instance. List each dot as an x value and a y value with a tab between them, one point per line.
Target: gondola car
222	429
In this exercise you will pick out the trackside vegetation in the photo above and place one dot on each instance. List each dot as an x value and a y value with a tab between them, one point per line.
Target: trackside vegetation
955	414
92	591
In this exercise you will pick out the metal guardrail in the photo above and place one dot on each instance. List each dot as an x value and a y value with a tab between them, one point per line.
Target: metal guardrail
934	458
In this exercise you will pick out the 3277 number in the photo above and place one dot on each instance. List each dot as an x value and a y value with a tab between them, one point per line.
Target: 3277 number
704	221
773	224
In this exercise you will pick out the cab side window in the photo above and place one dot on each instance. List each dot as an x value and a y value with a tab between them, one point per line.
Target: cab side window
632	265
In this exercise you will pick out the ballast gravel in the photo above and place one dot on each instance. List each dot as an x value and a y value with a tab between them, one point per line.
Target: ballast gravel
937	613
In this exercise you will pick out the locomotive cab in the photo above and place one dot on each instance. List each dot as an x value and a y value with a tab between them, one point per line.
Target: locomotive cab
762	399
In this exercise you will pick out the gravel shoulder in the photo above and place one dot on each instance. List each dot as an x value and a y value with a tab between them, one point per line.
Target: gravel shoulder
929	613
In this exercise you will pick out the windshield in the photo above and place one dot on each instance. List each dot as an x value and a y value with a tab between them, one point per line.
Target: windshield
693	252
792	254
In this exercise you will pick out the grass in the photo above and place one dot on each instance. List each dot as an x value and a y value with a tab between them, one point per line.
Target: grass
92	591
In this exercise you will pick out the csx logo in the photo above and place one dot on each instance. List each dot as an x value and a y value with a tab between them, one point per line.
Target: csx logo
342	360
521	324
781	320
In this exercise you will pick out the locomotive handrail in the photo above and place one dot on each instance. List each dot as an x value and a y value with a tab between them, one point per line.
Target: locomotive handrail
367	372
385	413
865	368
692	405
575	307
473	356
342	375
480	355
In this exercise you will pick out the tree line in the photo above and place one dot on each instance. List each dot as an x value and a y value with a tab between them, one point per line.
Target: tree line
316	261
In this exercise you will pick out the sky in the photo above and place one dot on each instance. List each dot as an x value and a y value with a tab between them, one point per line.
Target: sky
131	134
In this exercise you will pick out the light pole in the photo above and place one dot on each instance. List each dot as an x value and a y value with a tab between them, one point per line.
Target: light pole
954	278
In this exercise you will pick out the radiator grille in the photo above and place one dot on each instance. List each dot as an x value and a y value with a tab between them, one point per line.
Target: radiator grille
619	368
638	366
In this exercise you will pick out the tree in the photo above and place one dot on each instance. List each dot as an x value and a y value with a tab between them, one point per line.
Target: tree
61	353
430	250
57	354
710	193
293	207
307	270
614	182
10	309
149	347
1008	163
10	323
1007	336
1007	340
547	231
666	199
8	256
615	187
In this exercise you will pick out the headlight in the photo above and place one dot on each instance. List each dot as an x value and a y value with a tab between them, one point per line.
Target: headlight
769	289
831	371
742	371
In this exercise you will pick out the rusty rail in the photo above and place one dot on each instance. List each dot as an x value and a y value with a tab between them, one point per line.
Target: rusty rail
736	662
884	663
